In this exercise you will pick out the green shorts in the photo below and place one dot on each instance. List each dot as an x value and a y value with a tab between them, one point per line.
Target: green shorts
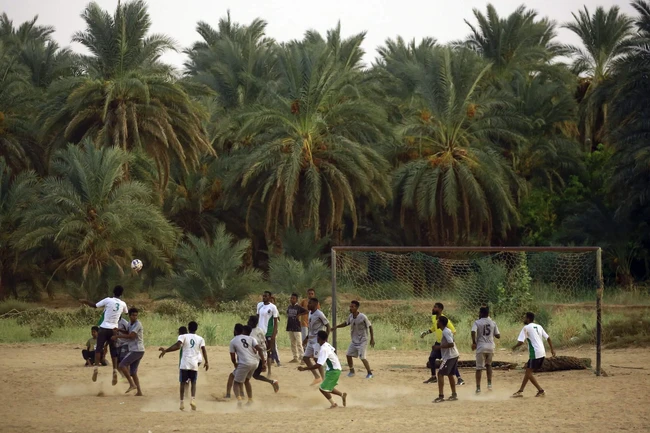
331	380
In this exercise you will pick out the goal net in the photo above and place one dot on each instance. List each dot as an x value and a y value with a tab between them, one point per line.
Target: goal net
397	287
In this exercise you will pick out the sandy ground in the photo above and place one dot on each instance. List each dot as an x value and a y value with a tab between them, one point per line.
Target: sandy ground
45	388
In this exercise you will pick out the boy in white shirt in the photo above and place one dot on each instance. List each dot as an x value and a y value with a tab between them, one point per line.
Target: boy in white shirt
534	335
327	358
245	354
484	331
193	346
449	362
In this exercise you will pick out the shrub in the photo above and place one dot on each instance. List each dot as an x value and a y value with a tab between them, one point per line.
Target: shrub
290	275
242	309
14	305
210	334
176	309
403	317
42	328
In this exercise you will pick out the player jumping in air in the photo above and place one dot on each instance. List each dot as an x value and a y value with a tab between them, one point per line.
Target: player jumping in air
360	326
436	312
449	362
533	334
246	354
484	331
129	364
317	321
268	321
327	357
113	309
192	346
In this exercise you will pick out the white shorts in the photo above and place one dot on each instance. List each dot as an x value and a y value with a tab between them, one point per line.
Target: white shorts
357	350
243	372
311	351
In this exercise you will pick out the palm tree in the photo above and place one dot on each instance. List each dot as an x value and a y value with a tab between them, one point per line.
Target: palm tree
18	192
605	36
127	97
454	181
519	43
313	141
288	274
94	218
551	149
212	271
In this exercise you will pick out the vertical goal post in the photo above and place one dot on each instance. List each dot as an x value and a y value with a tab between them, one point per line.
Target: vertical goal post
425	273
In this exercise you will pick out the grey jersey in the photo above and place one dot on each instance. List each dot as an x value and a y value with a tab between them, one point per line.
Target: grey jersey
359	328
136	344
485	329
317	321
123	326
244	347
450	352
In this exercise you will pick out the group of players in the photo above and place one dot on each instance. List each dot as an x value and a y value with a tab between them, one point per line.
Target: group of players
253	347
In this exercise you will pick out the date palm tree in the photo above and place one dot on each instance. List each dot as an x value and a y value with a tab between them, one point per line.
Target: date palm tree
94	218
454	182
605	36
127	98
313	152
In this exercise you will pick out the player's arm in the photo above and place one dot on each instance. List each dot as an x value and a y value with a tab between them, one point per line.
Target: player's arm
473	339
172	348
316	366
275	329
342	325
205	357
372	336
233	359
126	336
87	303
520	339
550	344
447	344
260	353
302	311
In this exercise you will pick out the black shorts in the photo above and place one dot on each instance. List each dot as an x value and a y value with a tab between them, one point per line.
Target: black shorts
448	367
258	371
104	336
435	353
535	364
122	351
189	376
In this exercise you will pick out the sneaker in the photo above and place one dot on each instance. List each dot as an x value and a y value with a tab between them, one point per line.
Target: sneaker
369	376
182	406
478	390
454	397
460	382
432	379
351	374
193	405
276	386
439	400
489	387
518	394
540	393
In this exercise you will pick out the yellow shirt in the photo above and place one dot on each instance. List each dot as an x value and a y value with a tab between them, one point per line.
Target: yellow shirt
438	332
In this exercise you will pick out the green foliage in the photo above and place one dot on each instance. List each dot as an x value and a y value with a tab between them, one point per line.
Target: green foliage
304	245
403	317
240	309
287	275
13	305
212	271
176	309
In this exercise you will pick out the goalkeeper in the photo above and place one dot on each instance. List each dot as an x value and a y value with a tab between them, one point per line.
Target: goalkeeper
436	354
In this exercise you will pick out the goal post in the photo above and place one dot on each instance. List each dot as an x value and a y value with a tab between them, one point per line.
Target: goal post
397	287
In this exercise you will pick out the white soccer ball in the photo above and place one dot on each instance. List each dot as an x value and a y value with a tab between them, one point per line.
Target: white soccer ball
136	265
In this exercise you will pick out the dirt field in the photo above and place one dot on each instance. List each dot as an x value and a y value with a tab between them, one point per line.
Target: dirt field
46	389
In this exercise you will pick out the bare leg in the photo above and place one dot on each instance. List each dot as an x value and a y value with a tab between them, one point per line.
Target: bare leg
452	384
136	379
269	361
231	381
525	381
489	374
367	365
529	373
441	384
328	396
126	373
321	370
350	364
478	380
249	389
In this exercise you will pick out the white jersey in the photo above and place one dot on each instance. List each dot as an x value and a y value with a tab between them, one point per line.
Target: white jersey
113	310
327	357
449	352
534	335
266	313
191	345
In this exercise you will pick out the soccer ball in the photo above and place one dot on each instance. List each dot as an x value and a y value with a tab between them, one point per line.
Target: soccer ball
136	265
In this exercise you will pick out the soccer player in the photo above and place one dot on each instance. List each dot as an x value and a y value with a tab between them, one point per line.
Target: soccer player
360	326
122	344
268	320
294	312
245	354
484	331
192	346
258	335
317	321
304	320
327	357
449	362
113	309
534	335
437	312
135	339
